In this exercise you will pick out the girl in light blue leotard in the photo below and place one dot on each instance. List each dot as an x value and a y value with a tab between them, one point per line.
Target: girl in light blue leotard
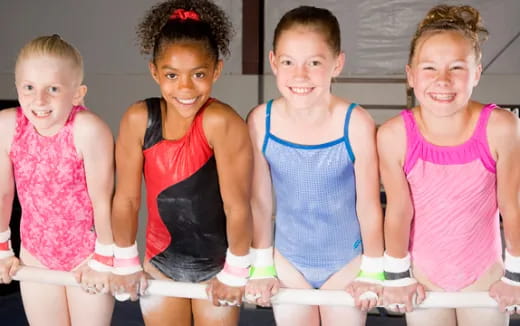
315	155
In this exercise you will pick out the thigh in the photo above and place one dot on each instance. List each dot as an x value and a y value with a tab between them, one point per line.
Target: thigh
481	316
336	315
206	314
44	304
89	309
432	317
292	314
159	310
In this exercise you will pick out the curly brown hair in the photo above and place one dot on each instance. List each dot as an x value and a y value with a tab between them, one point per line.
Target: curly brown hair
214	28
464	19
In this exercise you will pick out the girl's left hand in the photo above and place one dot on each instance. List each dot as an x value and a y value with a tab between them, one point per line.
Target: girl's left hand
224	295
91	281
507	296
366	295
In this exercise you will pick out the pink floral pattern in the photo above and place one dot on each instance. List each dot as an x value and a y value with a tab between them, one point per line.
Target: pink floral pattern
57	216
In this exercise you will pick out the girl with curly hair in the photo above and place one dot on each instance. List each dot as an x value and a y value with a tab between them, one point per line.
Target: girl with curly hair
196	157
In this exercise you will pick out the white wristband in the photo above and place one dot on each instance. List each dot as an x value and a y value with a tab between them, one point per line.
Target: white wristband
6	235
126	260
238	261
397	265
372	264
512	263
104	250
236	270
262	257
103	259
371	270
7	253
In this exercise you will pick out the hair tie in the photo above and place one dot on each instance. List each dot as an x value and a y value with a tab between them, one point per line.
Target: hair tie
182	14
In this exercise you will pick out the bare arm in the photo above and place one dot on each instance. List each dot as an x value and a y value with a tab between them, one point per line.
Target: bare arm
262	192
362	134
391	145
95	144
227	135
129	167
8	122
504	139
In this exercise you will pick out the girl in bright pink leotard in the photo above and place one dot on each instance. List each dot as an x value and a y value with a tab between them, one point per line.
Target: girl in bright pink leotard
449	165
60	157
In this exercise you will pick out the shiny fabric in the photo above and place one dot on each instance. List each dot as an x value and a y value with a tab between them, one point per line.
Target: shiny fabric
317	227
186	231
455	234
57	216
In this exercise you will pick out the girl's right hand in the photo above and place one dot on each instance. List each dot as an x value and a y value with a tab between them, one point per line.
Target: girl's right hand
8	267
401	298
130	286
260	291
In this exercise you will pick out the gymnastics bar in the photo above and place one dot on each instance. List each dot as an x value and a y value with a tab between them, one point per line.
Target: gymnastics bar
285	296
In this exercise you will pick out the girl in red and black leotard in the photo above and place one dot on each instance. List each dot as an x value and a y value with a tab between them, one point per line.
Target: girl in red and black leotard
186	234
196	157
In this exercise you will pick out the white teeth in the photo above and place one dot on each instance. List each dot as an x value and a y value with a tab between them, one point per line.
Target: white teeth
187	101
42	113
443	97
301	90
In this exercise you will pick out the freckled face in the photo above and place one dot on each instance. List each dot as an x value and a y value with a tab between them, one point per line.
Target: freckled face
48	87
304	65
444	72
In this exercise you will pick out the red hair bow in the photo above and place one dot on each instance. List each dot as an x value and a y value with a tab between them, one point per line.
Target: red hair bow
184	14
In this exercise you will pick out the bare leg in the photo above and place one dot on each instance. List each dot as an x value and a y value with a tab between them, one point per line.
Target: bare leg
158	311
336	315
89	309
287	314
432	317
44	304
481	316
206	314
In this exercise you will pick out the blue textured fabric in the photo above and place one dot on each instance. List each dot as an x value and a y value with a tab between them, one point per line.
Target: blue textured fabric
317	228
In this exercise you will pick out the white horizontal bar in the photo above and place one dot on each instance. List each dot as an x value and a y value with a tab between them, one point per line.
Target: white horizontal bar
284	296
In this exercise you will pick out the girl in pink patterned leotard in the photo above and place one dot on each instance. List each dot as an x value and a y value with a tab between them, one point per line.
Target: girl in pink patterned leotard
449	166
60	157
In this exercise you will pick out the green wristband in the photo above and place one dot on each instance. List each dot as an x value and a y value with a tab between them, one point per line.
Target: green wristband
259	272
380	276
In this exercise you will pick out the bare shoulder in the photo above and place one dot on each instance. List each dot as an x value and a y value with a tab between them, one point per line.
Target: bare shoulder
221	115
391	139
8	123
393	128
503	124
361	117
88	121
136	114
8	118
256	117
